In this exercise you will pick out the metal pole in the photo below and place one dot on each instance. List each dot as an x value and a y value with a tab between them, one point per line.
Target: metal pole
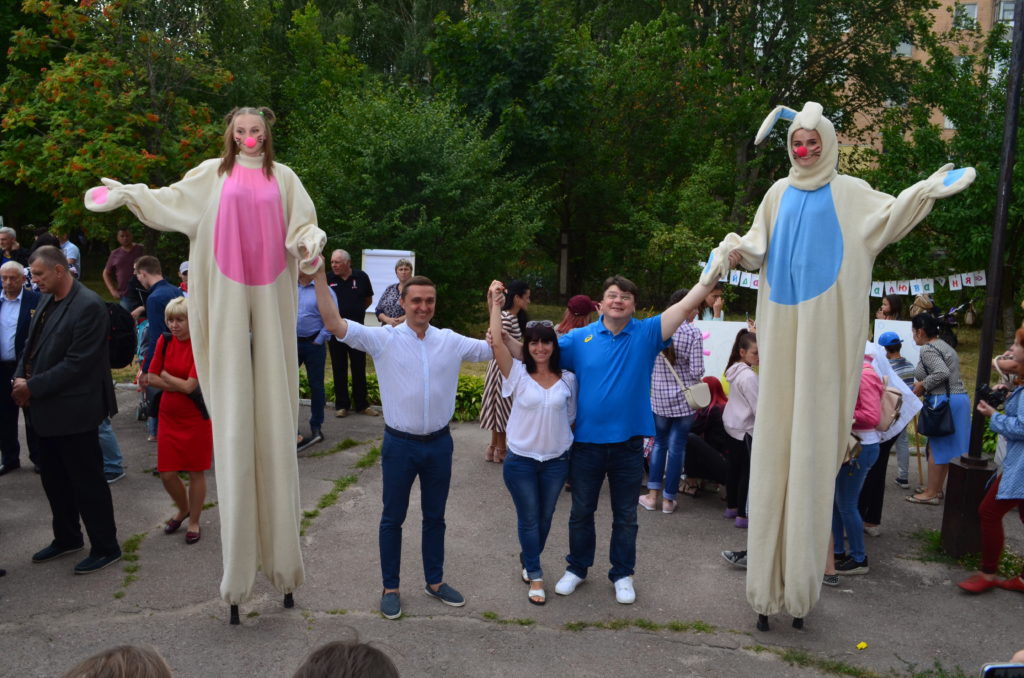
1003	198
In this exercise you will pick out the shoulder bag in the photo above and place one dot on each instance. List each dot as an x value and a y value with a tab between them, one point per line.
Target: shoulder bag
697	396
936	420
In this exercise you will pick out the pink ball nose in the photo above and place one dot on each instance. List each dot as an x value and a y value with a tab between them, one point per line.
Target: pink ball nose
800	152
250	142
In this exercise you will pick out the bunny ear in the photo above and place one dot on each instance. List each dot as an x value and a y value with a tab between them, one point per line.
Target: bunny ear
783	112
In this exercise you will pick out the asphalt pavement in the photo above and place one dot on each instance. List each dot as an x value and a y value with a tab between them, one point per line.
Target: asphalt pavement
691	617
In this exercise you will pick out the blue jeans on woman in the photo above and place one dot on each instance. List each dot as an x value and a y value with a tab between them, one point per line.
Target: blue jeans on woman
845	511
534	486
669	453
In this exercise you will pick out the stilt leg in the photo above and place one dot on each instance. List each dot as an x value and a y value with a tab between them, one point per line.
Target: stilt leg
289	602
762	622
235	621
798	622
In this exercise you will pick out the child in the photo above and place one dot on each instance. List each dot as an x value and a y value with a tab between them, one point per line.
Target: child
738	419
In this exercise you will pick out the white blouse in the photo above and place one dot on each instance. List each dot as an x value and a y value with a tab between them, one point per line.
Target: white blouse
539	426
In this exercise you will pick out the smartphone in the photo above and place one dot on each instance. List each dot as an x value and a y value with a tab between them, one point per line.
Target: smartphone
1002	670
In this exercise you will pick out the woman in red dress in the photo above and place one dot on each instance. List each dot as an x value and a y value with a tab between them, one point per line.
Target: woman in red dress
184	436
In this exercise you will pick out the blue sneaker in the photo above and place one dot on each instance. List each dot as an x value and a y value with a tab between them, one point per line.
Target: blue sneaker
390	605
446	594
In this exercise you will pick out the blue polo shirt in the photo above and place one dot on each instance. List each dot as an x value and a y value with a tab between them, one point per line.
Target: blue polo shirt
614	375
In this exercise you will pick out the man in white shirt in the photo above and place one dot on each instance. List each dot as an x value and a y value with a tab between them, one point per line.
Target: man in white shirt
418	373
17	305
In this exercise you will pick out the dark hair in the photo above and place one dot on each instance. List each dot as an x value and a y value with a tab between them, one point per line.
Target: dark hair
127	229
148	264
623	283
670	350
417	280
719	287
544	334
516	288
43	239
347	659
744	340
927	323
895	307
51	256
227	157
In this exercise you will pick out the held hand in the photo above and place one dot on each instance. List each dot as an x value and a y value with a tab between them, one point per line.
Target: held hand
751	326
20	393
144	380
734	259
985	409
918	388
489	338
496	291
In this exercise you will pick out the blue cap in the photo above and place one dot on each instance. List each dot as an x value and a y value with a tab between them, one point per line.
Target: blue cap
890	339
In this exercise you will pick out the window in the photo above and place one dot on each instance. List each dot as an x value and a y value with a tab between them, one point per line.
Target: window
967	10
947	123
1005	13
904	49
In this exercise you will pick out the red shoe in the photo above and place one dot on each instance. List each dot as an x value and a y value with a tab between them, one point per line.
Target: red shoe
1014	584
979	583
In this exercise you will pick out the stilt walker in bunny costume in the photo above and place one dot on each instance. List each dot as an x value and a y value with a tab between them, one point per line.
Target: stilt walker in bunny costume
250	224
814	238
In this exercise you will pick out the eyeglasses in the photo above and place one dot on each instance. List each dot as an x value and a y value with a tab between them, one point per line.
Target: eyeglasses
539	323
612	296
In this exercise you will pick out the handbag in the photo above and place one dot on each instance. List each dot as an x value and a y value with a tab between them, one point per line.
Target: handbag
892	403
697	396
936	420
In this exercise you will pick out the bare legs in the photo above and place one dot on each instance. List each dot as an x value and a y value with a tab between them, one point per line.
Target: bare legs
189	501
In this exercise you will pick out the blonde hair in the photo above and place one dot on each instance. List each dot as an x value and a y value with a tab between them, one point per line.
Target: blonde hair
123	661
227	158
176	308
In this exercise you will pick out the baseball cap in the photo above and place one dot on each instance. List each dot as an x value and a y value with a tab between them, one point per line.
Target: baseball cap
890	339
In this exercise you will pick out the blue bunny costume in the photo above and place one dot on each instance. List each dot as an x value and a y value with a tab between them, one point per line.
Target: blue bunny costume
815	238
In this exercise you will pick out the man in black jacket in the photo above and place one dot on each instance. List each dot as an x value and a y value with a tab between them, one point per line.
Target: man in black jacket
64	367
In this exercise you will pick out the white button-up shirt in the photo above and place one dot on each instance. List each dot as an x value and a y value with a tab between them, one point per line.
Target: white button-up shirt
10	309
418	378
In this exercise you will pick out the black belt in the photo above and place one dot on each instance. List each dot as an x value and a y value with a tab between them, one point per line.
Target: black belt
307	340
423	438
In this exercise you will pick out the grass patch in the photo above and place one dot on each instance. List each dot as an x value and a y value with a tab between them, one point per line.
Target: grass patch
512	621
254	613
834	667
209	505
130	556
330	498
930	550
345	444
337	611
369	459
645	624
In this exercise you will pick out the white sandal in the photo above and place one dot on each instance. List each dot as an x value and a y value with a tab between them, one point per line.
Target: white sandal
534	594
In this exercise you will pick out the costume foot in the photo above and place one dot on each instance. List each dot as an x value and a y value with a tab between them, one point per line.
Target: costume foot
289	601
798	622
235	621
762	623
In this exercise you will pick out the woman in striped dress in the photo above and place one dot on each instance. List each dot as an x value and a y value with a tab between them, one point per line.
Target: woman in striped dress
495	409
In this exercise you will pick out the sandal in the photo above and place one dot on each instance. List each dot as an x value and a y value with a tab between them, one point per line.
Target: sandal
499	454
668	505
643	501
489	454
172	525
932	501
921	489
536	596
192	537
691	490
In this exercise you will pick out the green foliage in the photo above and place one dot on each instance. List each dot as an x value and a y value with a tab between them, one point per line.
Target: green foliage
930	548
407	173
469	398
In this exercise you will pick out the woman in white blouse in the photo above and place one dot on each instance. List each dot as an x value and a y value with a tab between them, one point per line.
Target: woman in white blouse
539	433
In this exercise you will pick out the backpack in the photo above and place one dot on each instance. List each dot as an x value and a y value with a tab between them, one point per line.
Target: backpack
121	341
892	403
868	411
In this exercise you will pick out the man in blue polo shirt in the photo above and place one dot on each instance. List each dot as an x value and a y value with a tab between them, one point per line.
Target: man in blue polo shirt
612	358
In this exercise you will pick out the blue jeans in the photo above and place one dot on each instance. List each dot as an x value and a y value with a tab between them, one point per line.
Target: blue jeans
623	464
113	461
402	461
314	357
845	510
534	486
669	453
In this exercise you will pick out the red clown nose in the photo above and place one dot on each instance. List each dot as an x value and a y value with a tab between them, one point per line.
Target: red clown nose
250	142
800	151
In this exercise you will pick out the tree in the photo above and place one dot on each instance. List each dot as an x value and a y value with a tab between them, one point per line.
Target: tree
123	95
407	173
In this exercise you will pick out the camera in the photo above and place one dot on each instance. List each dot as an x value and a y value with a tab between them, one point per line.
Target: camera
993	396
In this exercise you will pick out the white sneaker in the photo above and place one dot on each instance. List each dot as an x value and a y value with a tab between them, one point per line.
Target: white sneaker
567	584
624	592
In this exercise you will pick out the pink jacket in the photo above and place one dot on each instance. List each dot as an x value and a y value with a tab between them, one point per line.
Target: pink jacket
738	416
868	410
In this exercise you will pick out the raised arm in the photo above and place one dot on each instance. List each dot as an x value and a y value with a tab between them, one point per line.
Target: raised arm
684	309
496	299
333	322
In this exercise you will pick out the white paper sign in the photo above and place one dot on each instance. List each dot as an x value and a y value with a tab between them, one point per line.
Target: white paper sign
745	279
954	282
877	288
718	338
968	279
734	277
928	286
916	287
903	287
909	350
979	278
891	286
755	281
379	265
941	282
